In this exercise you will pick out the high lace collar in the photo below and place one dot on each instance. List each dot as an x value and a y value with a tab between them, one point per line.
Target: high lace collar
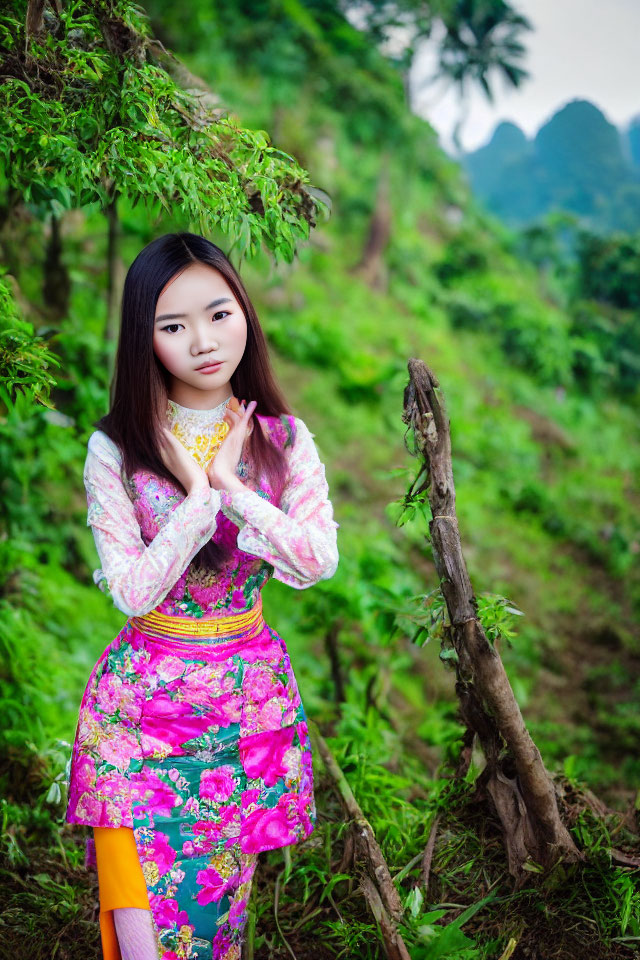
200	431
203	417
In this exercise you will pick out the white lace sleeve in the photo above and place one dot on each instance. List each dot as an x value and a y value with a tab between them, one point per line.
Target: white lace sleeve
138	577
299	538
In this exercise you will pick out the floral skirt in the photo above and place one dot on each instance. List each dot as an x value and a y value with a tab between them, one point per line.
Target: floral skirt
193	734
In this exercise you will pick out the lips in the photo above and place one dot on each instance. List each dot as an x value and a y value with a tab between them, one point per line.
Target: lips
209	363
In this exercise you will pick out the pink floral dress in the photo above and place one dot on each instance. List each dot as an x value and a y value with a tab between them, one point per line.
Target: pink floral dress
199	743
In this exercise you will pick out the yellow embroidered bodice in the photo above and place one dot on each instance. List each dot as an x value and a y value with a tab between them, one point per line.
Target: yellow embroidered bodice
200	431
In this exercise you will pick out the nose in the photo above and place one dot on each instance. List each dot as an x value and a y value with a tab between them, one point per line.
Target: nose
203	339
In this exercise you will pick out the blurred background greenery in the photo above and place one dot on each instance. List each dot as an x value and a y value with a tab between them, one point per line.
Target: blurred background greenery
526	308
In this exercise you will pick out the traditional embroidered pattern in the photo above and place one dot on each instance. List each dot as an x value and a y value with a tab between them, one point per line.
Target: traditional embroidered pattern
147	532
200	431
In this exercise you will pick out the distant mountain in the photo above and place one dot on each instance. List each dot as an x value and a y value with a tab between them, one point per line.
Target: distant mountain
578	162
633	137
508	144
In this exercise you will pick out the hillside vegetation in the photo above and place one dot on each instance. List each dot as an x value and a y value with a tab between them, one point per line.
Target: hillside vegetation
545	464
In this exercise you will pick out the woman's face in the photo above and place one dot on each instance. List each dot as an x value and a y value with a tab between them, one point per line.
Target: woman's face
198	321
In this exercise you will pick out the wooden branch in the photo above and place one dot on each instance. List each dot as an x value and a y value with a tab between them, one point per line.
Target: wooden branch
515	778
34	18
375	879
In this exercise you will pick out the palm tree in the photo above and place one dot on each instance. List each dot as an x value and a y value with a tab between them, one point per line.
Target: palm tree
481	40
474	39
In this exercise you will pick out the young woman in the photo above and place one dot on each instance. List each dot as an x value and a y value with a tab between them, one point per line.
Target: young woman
191	752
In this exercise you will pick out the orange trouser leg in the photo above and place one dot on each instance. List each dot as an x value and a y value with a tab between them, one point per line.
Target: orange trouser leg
120	881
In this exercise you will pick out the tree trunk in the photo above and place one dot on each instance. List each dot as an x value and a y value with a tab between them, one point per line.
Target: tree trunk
333	654
515	777
56	289
113	285
371	266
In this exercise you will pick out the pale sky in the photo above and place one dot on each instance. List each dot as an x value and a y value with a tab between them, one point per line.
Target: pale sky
577	48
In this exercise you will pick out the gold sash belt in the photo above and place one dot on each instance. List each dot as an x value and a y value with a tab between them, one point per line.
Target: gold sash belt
250	622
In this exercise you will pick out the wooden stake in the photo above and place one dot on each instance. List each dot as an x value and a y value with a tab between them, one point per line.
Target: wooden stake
515	778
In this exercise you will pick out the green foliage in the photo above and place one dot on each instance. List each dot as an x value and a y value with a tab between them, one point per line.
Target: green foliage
533	335
436	942
288	46
123	127
39	454
360	374
24	358
497	617
595	278
606	312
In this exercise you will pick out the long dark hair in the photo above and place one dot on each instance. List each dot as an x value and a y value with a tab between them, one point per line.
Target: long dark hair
139	389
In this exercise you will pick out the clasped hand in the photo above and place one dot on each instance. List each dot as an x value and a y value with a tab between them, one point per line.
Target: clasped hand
221	472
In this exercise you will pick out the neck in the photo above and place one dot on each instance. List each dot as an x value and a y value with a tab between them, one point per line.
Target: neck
188	396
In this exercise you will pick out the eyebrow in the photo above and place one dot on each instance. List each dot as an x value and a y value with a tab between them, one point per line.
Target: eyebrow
181	316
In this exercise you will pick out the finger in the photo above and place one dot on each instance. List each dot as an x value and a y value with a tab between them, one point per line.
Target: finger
249	411
241	418
232	417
